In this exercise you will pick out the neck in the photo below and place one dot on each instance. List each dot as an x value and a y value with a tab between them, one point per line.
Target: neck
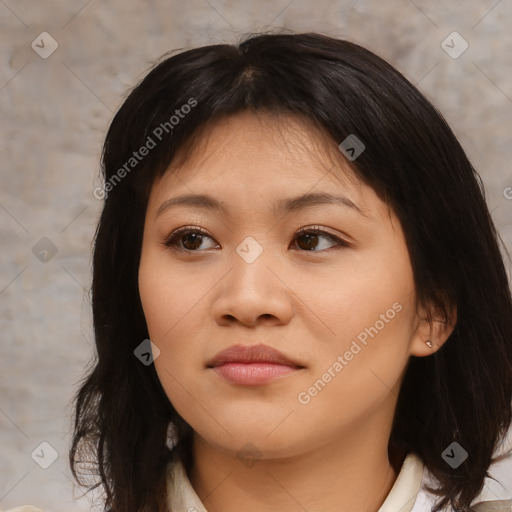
353	474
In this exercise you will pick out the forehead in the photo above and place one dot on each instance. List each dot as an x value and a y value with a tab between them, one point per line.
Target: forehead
254	148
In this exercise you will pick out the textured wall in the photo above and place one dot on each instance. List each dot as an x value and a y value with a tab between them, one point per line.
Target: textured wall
55	111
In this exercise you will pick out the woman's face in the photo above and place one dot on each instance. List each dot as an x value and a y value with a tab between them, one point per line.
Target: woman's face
337	303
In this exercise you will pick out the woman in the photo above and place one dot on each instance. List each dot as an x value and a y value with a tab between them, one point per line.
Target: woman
302	238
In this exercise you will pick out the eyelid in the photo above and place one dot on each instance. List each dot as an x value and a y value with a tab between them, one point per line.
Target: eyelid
315	228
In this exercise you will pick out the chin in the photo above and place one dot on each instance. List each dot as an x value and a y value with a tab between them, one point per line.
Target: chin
249	440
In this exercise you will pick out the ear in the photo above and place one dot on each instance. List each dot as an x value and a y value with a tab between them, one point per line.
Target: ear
433	328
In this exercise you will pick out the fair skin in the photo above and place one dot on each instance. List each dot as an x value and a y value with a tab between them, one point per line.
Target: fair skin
309	298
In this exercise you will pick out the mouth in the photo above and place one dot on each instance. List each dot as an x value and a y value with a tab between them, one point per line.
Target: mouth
252	365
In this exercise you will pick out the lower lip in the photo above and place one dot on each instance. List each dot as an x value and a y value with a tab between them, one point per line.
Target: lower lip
253	374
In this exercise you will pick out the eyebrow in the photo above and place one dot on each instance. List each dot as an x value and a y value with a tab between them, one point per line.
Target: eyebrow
206	202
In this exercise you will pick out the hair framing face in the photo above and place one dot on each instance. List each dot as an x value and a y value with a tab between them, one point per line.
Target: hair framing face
411	159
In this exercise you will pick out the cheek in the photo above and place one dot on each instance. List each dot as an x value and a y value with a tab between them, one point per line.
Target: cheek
170	323
366	294
173	305
368	313
168	295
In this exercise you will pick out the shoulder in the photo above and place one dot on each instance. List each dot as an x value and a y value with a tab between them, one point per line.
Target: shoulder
493	506
425	499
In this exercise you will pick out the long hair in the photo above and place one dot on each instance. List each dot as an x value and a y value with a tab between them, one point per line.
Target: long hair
412	159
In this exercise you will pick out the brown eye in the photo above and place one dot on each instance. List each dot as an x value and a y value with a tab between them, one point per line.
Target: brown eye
186	239
308	239
191	241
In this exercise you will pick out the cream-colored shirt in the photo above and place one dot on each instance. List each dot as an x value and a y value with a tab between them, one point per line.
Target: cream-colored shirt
405	495
401	498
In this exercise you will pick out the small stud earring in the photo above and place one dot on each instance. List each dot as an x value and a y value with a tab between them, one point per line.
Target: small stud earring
429	343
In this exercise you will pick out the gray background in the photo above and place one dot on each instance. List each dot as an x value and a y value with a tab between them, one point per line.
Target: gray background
55	113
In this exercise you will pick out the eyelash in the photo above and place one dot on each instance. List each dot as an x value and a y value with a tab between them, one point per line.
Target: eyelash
171	240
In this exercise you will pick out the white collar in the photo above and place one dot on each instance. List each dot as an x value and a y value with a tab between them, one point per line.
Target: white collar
182	497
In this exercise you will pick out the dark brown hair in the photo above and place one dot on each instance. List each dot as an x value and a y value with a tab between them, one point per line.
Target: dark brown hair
414	162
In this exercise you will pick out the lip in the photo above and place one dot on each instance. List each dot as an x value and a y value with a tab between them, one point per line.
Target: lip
252	365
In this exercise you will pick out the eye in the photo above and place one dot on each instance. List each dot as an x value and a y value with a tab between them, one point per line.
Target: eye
310	236
190	239
186	239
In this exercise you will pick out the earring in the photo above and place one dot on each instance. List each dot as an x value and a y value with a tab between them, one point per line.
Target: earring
429	343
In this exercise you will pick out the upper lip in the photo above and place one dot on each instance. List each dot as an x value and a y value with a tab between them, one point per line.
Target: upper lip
251	354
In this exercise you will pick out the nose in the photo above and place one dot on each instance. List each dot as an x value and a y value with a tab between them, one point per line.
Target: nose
253	293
